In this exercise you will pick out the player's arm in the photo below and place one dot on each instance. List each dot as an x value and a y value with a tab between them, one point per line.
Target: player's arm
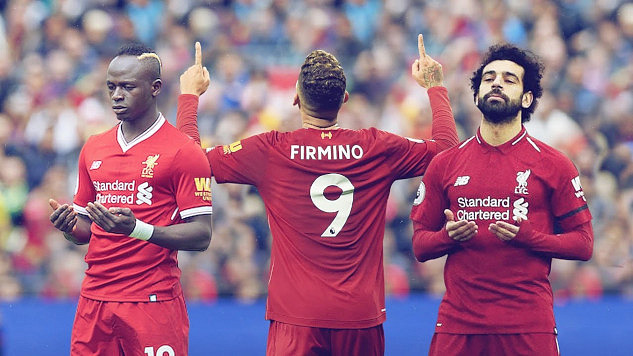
193	235
427	72
576	244
436	232
193	83
76	227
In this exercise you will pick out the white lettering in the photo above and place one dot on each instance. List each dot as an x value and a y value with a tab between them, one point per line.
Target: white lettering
294	149
332	152
487	202
310	152
325	152
116	185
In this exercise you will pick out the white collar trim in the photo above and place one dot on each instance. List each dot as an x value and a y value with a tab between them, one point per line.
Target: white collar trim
125	146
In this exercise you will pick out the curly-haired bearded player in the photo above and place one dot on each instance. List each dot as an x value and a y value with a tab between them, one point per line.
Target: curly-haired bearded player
501	205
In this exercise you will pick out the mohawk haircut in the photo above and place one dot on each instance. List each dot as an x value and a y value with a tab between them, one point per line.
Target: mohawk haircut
532	66
142	52
321	82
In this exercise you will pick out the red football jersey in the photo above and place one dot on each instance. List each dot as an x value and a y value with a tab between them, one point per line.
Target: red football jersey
325	193
494	286
163	177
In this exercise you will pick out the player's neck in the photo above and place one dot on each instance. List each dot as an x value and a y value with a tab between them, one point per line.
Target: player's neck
311	122
498	134
133	128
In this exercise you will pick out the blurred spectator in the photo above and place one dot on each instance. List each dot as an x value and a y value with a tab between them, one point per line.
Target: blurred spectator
53	59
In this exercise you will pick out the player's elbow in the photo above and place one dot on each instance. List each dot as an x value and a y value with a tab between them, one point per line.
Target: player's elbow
586	253
203	241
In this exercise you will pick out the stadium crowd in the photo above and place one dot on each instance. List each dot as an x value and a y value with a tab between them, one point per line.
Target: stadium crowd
53	60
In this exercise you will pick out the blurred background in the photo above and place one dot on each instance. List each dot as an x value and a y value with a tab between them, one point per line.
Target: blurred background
53	60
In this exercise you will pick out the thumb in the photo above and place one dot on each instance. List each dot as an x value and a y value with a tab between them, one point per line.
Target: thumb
53	203
449	215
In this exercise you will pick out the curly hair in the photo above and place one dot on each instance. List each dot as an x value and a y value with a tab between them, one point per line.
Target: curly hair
142	52
322	82
533	72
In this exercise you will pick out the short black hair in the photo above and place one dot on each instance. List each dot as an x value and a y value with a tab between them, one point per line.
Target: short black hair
142	52
533	72
322	82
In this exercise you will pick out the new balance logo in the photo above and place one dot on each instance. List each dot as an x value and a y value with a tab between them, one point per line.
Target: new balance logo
462	180
95	165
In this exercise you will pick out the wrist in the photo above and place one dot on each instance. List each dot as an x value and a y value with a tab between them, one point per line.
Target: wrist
142	231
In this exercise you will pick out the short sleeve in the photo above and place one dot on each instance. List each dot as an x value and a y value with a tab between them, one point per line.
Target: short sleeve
191	179
84	190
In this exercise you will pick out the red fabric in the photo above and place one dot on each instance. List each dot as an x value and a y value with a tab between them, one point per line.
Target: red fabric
326	271
121	268
115	328
494	286
542	344
291	340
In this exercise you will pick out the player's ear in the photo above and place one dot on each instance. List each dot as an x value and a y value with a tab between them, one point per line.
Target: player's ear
526	99
296	100
345	97
156	85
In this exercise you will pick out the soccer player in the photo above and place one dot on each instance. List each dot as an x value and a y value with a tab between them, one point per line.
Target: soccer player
143	193
325	189
501	205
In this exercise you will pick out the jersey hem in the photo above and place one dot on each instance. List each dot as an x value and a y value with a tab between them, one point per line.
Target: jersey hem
330	324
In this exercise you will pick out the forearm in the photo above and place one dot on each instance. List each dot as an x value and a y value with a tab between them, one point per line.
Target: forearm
443	128
193	235
187	116
573	245
428	245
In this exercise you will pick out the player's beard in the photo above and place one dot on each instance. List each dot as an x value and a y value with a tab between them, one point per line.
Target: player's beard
498	112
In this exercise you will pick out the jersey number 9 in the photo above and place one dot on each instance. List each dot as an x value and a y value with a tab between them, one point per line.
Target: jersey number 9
342	205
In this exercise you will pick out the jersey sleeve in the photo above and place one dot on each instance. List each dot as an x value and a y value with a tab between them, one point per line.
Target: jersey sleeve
414	155
191	180
84	190
241	161
430	239
569	204
443	129
187	116
408	157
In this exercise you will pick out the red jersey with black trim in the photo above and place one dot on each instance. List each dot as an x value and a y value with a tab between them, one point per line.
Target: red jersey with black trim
494	286
325	193
163	177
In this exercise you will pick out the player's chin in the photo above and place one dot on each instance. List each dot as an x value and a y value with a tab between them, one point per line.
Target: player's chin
122	116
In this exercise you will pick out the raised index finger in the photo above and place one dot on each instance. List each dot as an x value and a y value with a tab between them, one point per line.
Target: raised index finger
198	54
421	48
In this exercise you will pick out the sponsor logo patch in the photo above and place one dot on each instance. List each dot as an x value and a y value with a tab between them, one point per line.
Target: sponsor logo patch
232	148
203	188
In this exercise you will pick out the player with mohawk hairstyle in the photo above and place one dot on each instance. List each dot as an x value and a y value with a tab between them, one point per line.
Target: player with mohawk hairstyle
143	193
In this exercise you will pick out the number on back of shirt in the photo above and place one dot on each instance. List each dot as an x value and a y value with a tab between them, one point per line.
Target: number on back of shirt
342	205
164	350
